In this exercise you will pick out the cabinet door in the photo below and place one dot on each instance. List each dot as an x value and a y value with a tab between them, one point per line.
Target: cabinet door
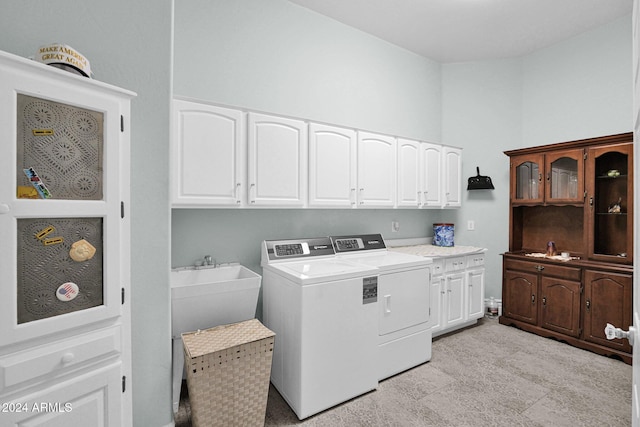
376	170
409	174
454	300
452	173
208	155
610	203
607	300
432	175
564	176
277	161
519	299
332	166
64	194
475	296
527	186
560	305
403	300
436	303
92	399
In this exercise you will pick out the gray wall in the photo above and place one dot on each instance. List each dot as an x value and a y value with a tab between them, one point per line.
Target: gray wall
128	44
277	57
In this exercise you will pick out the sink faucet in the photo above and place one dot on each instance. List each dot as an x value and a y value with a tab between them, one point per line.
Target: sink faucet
209	261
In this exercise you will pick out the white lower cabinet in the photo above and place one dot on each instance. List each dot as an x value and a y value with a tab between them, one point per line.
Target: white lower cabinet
457	292
90	399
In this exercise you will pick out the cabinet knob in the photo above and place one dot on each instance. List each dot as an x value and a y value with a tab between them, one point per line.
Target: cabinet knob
533	299
67	358
4	208
544	301
588	304
539	267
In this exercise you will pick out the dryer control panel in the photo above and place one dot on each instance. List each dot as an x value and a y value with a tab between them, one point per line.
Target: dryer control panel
364	242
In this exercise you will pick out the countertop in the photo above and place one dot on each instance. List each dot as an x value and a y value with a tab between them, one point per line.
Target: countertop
432	251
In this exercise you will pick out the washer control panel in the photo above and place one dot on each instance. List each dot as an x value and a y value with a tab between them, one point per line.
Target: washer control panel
289	249
363	242
276	250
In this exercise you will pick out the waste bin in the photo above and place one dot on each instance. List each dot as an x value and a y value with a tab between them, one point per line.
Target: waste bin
228	369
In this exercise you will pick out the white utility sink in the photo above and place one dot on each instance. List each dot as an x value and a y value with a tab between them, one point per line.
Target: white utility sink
209	297
206	297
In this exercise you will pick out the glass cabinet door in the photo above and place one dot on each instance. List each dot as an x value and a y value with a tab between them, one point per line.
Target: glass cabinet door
59	156
526	179
565	182
610	200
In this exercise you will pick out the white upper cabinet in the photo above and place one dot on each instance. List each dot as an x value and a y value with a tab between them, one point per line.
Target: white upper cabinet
277	148
376	170
431	175
410	181
332	166
452	177
208	155
228	158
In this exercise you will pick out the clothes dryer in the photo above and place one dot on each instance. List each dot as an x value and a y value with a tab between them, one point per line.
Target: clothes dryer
404	330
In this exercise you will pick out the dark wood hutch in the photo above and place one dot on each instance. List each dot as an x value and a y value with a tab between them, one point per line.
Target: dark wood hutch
579	195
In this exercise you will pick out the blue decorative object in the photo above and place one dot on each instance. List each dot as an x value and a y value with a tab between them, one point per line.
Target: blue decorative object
443	234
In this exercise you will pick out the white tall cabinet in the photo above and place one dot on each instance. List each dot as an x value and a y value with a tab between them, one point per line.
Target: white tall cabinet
65	345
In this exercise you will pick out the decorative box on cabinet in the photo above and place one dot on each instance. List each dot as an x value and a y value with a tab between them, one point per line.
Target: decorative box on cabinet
65	315
582	200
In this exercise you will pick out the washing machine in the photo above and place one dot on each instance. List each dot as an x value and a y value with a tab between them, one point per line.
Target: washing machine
323	311
404	328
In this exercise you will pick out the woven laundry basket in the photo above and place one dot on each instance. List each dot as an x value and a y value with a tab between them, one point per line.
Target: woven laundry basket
228	369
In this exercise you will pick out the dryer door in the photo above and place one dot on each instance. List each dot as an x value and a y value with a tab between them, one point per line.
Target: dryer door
403	299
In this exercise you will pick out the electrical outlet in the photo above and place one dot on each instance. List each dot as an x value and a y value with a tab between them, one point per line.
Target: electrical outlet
471	225
395	226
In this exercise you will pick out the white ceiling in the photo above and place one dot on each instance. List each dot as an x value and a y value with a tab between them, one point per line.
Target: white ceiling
471	30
